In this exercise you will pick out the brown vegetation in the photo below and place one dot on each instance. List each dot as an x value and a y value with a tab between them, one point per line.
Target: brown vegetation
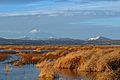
27	58
3	56
102	59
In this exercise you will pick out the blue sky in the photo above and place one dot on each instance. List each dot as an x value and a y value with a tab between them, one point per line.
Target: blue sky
61	18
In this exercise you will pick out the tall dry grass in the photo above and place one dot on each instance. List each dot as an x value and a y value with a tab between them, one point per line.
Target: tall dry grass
3	56
103	59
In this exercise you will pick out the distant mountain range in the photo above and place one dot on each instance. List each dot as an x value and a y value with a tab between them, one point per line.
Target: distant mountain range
39	36
99	40
36	34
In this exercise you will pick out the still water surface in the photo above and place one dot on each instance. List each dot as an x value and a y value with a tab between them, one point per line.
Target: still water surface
10	72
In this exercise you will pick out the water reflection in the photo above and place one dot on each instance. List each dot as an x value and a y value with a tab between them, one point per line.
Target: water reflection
27	72
10	72
66	74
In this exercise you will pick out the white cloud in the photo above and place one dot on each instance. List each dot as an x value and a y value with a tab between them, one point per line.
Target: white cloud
58	8
31	12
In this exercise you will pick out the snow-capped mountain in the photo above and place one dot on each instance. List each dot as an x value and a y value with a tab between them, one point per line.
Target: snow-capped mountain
99	38
36	34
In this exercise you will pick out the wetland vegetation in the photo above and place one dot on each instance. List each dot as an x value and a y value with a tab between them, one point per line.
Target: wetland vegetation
54	62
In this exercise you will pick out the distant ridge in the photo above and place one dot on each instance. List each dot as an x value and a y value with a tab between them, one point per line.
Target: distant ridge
25	38
99	38
2	38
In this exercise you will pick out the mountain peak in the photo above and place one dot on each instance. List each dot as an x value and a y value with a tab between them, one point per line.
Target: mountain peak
37	34
99	38
35	31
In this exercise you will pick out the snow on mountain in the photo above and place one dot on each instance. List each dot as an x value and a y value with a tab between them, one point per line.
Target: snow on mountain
36	34
99	38
35	31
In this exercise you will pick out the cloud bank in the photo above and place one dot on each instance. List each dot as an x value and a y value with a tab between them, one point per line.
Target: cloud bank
56	7
67	1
